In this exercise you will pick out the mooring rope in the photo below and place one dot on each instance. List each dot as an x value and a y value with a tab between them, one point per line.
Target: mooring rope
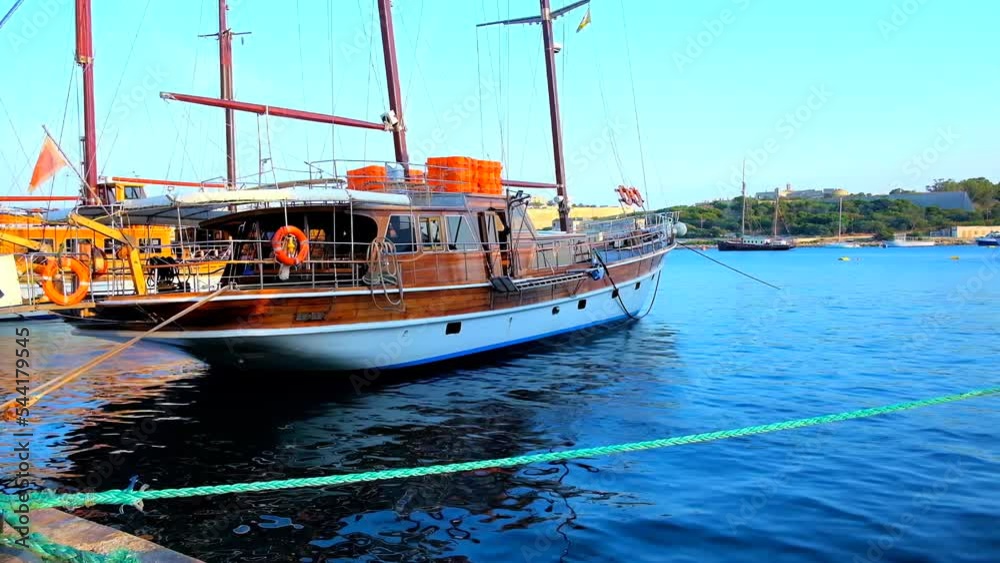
52	551
727	266
134	497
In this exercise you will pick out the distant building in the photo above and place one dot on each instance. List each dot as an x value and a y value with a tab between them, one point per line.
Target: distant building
944	200
789	193
967	232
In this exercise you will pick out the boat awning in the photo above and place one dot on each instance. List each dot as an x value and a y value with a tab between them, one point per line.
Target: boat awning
194	207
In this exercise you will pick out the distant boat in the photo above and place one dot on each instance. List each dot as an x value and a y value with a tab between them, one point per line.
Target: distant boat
840	238
992	239
746	242
900	241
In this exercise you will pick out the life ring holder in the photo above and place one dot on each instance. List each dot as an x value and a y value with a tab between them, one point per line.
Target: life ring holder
281	243
50	271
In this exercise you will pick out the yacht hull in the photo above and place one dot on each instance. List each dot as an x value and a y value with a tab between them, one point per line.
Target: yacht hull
401	344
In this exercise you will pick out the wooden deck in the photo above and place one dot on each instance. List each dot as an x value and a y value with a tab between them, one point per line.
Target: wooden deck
79	533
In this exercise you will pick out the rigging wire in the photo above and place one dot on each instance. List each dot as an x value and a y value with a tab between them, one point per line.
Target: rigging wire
17	137
371	72
302	65
114	97
10	12
333	100
499	97
635	103
62	127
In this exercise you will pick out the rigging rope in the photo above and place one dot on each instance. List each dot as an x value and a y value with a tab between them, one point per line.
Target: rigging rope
10	12
114	97
635	103
134	497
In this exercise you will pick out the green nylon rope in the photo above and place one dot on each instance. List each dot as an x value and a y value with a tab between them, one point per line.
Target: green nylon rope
133	497
49	550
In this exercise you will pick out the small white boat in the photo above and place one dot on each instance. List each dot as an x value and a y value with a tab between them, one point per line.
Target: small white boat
900	241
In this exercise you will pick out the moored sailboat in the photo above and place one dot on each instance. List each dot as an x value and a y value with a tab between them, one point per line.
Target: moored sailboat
747	242
395	271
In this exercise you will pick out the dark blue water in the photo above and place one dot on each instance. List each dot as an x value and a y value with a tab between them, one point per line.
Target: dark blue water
717	352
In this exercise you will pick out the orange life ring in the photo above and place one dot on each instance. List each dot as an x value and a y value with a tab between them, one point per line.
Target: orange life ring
623	195
284	245
637	197
50	271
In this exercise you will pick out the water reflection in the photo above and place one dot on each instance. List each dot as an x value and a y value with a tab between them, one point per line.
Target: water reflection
161	417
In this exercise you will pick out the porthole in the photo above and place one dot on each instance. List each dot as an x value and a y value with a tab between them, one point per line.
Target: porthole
453	328
581	304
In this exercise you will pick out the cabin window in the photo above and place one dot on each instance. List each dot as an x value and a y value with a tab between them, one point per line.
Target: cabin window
111	246
45	242
78	245
430	233
520	223
400	232
150	246
135	193
453	328
460	234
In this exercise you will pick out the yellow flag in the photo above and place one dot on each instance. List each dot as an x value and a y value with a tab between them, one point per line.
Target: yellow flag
584	22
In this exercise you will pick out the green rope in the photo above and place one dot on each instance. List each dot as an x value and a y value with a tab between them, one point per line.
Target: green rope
49	550
134	497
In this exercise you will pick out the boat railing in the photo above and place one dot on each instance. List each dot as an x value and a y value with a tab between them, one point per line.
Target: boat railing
251	263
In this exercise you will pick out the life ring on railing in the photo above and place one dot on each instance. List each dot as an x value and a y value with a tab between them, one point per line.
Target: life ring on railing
50	271
290	245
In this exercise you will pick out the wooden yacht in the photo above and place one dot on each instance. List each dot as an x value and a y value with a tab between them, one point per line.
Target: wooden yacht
327	278
390	265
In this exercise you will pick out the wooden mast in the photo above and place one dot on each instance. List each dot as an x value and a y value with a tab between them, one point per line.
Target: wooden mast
743	213
392	82
226	91
548	42
85	58
557	141
777	202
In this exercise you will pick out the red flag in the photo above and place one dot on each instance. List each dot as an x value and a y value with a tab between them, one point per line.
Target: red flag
50	160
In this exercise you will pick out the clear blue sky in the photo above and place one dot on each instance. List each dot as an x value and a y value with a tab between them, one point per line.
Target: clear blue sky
860	94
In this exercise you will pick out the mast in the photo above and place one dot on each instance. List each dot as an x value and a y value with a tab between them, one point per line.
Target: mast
777	201
85	58
840	219
743	214
557	141
392	122
548	42
226	90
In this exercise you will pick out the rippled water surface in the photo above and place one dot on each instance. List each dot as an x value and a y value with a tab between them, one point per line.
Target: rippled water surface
717	352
